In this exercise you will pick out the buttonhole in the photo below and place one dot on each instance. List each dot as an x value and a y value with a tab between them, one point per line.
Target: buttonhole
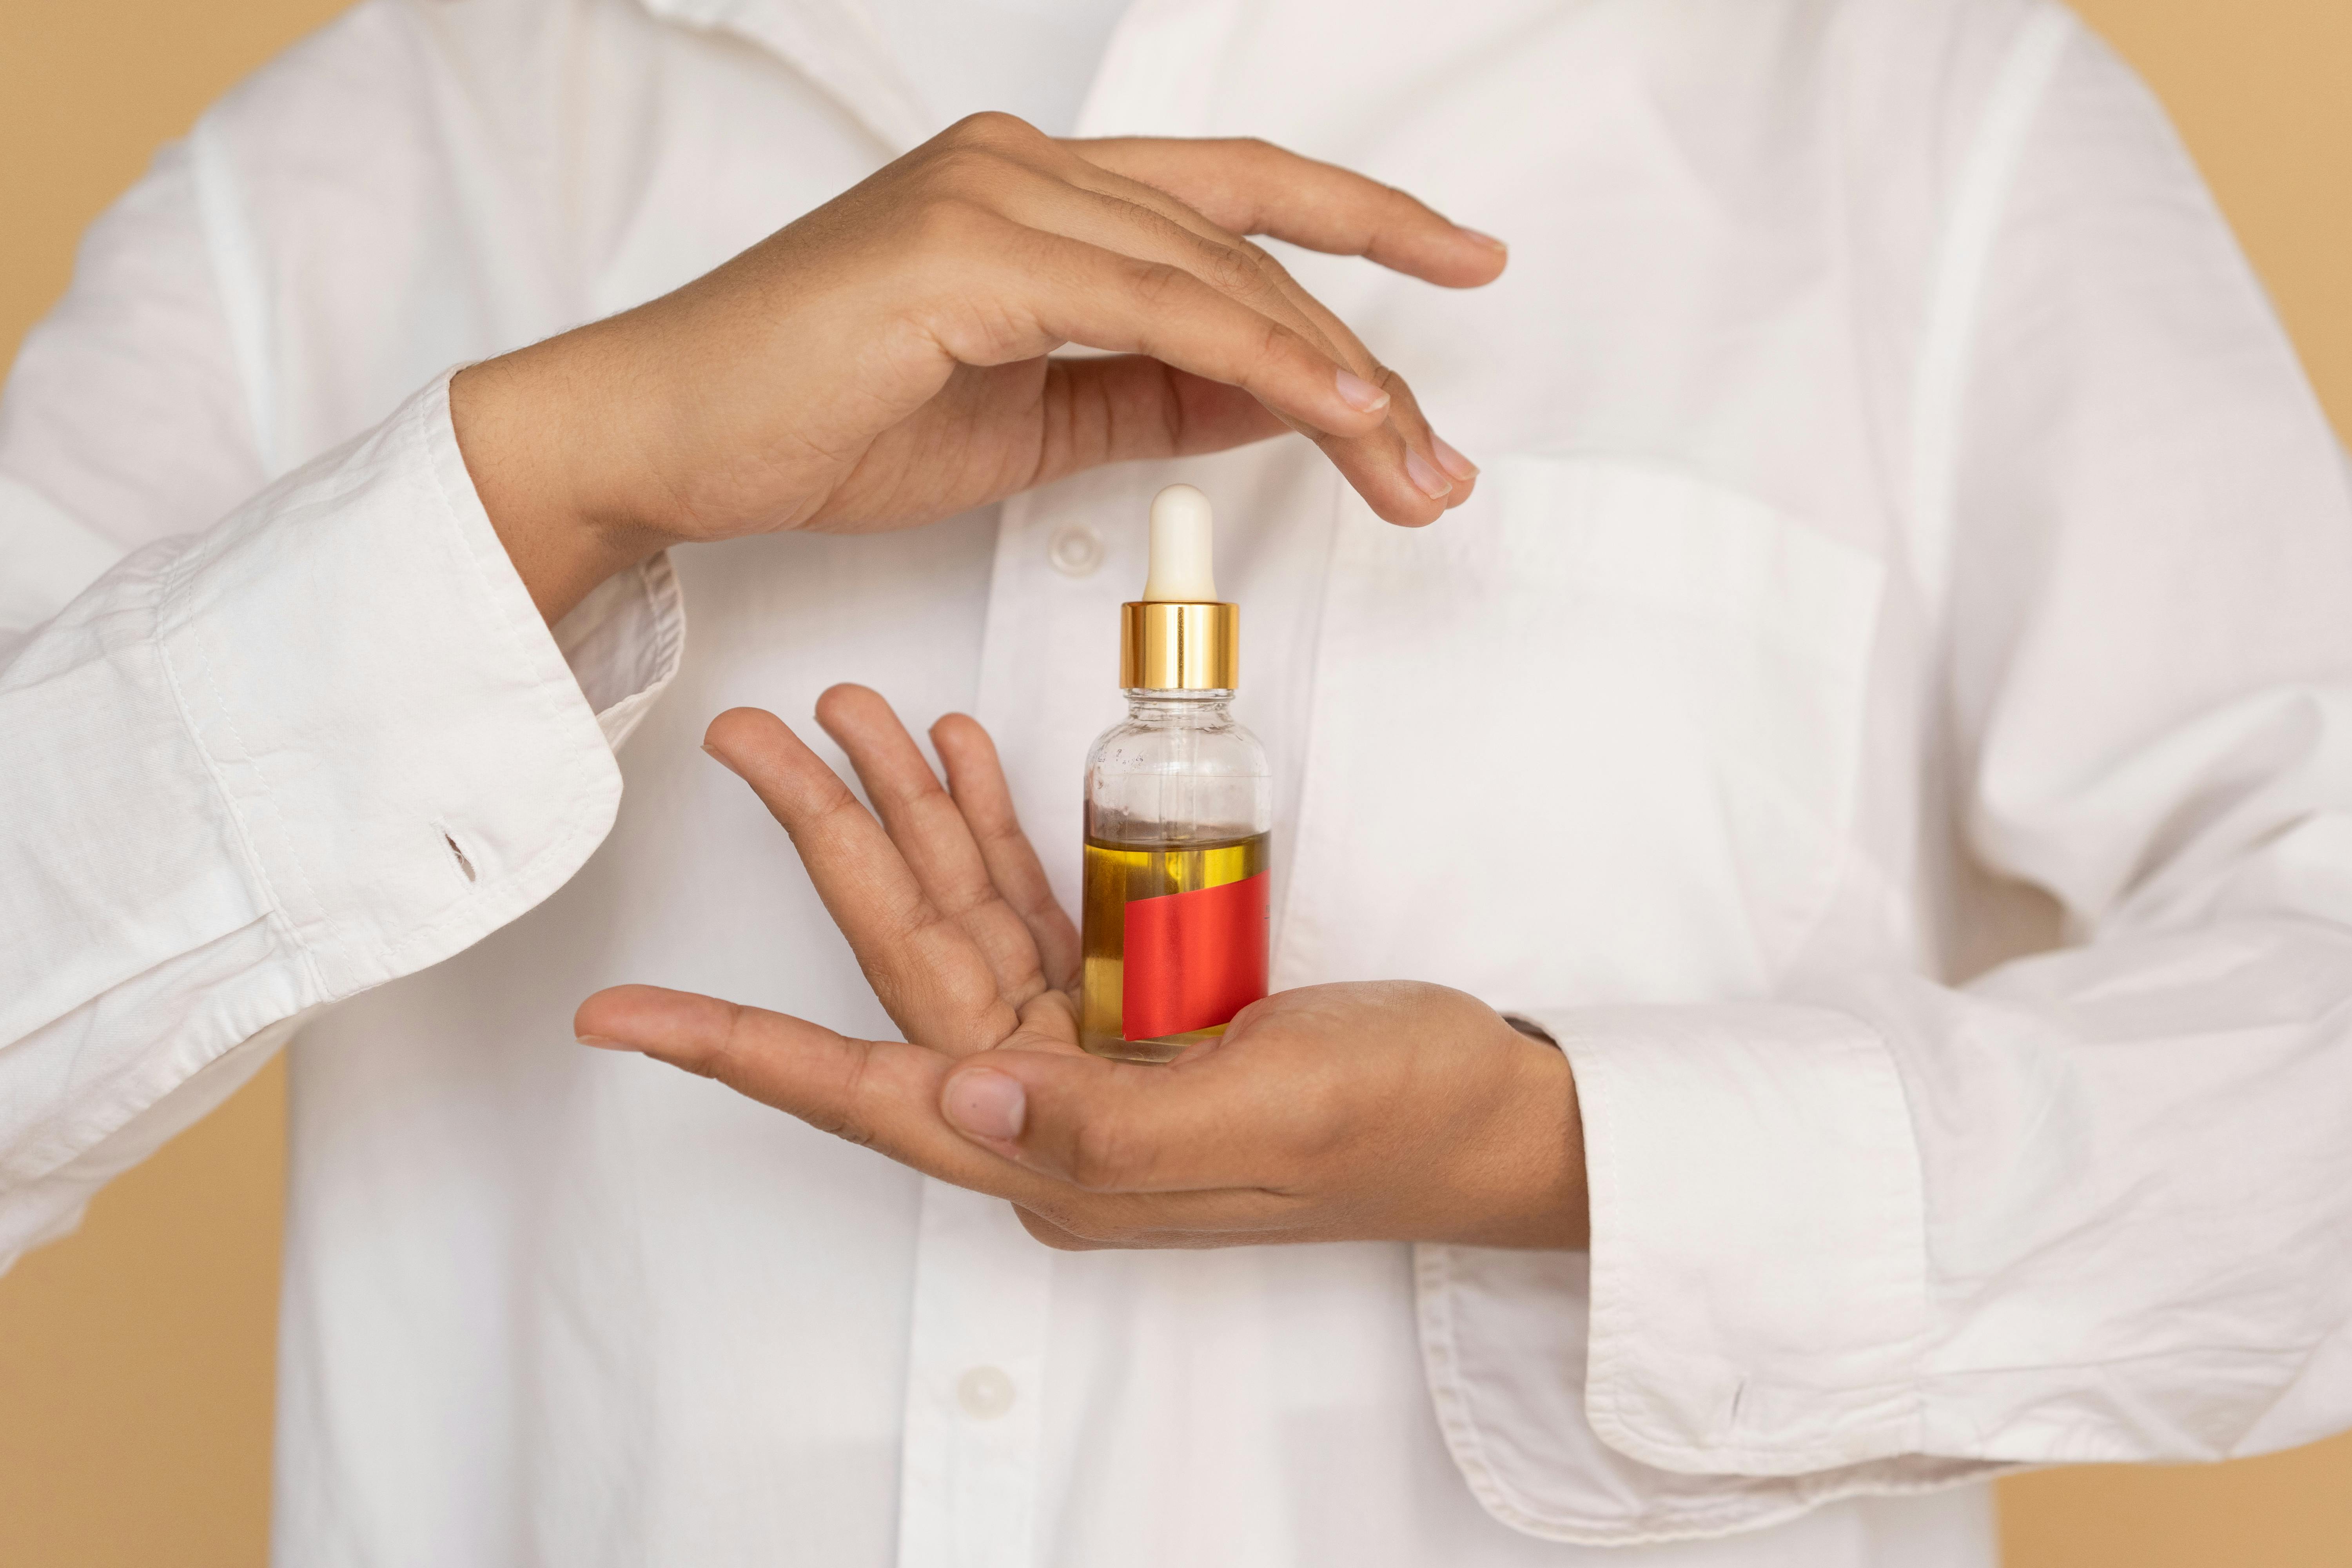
463	864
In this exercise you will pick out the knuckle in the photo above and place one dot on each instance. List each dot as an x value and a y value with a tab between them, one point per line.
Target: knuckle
847	1129
1404	207
1268	267
1231	270
1399	391
1103	1155
1275	342
843	1118
960	172
723	1057
1160	286
991	128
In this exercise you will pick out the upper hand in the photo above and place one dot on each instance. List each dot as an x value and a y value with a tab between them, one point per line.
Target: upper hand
1389	1110
881	363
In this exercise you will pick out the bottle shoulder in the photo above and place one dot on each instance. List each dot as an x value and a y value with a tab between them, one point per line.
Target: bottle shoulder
1177	772
1144	745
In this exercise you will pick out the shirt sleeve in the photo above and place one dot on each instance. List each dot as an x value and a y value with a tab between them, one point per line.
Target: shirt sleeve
1878	1232
252	770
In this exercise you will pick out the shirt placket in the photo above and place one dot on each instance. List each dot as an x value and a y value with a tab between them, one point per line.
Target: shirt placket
977	1351
976	1371
978	1337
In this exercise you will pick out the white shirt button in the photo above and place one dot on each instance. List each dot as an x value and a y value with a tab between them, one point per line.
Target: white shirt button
1075	550
985	1392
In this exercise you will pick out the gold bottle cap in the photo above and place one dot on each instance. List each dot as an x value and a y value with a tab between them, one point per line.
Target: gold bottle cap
1179	647
1180	637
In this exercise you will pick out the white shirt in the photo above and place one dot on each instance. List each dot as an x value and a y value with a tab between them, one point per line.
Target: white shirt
1030	58
1896	490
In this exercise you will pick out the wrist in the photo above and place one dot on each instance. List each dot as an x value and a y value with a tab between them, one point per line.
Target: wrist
1542	1201
526	425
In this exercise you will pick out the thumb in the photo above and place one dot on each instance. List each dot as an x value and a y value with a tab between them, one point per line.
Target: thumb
1104	1126
869	1091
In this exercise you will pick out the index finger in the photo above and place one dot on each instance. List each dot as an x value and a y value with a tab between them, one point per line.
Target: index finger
1254	187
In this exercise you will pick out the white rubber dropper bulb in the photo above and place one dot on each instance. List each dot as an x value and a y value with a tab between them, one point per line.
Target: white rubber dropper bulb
1182	568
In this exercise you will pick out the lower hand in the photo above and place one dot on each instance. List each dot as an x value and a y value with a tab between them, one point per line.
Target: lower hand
881	362
1390	1111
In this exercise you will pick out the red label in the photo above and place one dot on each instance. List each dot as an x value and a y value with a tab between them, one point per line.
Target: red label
1192	960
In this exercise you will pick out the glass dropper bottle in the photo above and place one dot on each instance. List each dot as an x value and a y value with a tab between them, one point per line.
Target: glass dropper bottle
1179	804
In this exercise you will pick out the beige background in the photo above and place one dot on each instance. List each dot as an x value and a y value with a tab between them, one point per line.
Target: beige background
135	1361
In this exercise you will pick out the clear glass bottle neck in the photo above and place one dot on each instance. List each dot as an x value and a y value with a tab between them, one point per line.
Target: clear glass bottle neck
1177	707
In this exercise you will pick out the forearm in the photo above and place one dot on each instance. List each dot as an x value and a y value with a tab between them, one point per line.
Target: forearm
323	744
538	431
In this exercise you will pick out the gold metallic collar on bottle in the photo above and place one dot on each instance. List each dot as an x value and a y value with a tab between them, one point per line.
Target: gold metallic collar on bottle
1179	647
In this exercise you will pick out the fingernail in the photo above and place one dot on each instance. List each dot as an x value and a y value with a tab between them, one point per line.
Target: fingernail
712	753
1426	477
600	1042
1451	461
1483	238
1359	394
988	1105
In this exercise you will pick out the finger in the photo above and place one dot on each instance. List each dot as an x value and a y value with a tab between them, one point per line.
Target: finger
1128	407
1074	292
1133	219
1088	295
1252	187
1001	165
1128	216
1436	467
1432	463
884	1095
1218	255
881	1093
929	976
1141	221
931	834
976	782
1125	407
1154	227
1406	415
1122	1127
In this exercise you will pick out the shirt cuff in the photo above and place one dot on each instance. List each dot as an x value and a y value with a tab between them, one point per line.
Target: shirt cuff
1758	1276
409	758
